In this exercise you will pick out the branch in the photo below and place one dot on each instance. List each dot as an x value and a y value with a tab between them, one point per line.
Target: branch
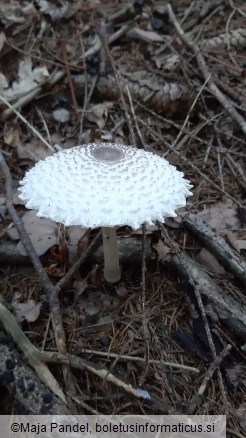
49	290
231	312
217	245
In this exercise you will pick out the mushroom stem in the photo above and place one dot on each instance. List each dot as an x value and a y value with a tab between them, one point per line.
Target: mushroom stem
111	255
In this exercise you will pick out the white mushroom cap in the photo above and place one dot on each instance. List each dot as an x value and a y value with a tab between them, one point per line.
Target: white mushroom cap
105	185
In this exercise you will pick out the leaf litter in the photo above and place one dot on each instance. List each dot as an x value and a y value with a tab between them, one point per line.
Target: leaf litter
157	68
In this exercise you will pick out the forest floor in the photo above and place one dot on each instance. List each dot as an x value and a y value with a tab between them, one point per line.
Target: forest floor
170	79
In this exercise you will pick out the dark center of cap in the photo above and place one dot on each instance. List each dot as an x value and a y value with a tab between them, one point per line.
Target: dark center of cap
108	154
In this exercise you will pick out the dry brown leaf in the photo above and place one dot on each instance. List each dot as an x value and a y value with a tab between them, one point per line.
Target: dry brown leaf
99	113
237	244
75	234
28	310
221	216
207	259
12	136
28	79
162	250
168	62
79	288
42	232
34	151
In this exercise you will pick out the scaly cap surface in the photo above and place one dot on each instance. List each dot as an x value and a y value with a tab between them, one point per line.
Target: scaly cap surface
104	184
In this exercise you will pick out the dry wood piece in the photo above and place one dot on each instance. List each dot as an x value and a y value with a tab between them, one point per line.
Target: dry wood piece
30	395
235	38
168	97
217	245
231	312
130	251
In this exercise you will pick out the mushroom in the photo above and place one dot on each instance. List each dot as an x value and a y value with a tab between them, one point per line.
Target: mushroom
105	185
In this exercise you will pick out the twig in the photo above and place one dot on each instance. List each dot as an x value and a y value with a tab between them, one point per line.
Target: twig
50	291
189	113
234	432
17	113
86	97
139	359
69	77
40	114
211	344
119	81
58	75
144	316
231	312
209	374
134	116
241	177
84	405
78	263
123	14
194	167
30	351
103	374
206	73
217	245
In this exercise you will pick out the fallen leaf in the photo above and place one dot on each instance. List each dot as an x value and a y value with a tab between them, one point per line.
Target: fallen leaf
162	250
42	232
12	136
74	235
207	259
28	79
221	216
58	260
29	310
99	113
237	244
34	151
79	288
168	62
